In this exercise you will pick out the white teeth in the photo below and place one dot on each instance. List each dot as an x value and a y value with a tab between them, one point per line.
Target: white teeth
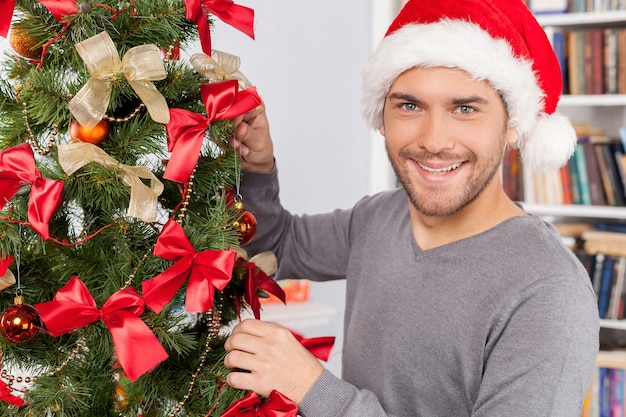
439	170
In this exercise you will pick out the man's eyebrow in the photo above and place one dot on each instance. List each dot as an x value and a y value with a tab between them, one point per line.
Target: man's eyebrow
403	97
459	101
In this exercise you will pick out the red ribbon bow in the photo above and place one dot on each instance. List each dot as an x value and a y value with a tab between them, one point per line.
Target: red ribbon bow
239	17
276	405
186	129
137	348
61	8
17	167
257	279
207	270
6	14
6	395
4	264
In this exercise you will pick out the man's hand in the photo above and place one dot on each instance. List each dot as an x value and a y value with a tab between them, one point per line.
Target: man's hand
265	357
253	141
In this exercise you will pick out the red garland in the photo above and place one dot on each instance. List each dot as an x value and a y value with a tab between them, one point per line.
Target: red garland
17	167
239	17
137	348
186	129
206	270
276	405
257	279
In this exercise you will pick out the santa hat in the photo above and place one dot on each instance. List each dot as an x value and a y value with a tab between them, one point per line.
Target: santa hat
495	40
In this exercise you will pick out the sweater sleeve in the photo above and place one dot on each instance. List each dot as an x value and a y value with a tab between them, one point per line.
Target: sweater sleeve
332	397
314	247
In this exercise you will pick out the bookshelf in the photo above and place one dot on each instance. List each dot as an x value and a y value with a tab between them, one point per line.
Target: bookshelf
606	111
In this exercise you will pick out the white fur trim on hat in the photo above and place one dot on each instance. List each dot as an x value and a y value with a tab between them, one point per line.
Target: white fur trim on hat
545	143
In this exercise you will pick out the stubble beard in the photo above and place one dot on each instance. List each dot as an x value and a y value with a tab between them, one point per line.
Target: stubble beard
444	201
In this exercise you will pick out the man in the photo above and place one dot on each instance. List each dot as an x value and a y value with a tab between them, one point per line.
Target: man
458	302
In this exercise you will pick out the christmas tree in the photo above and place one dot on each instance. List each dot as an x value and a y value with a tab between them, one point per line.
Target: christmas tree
120	219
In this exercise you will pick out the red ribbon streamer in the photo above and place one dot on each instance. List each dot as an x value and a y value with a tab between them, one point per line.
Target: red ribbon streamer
206	270
320	347
186	129
276	405
137	348
6	14
6	395
257	279
61	8
239	17
17	167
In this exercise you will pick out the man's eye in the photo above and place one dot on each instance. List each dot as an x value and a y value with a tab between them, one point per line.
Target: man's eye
409	106
466	109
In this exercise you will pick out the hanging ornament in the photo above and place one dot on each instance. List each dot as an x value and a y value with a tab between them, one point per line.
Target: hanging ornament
245	224
20	323
23	44
97	135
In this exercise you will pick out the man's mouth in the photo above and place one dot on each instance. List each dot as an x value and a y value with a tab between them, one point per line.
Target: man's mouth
440	170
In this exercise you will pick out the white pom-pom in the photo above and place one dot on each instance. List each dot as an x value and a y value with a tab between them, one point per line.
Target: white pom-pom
549	144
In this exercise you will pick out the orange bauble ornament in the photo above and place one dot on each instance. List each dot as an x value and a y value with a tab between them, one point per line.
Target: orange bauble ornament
24	45
97	135
21	322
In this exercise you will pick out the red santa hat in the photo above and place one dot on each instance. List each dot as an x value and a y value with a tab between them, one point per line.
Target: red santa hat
495	40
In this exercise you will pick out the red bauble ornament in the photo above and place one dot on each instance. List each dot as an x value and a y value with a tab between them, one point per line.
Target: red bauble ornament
21	322
97	135
24	45
246	226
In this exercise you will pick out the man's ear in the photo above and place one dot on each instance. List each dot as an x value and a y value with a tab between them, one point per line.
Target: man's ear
512	136
381	129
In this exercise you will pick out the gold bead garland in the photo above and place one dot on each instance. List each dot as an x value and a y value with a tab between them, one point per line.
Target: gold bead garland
213	331
127	118
11	379
31	136
188	191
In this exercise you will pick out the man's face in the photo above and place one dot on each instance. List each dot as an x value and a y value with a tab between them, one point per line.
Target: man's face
445	136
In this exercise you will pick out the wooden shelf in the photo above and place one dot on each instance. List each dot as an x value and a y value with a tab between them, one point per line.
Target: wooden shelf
599	100
613	324
576	211
611	359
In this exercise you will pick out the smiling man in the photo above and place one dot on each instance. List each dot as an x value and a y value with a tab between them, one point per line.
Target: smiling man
458	302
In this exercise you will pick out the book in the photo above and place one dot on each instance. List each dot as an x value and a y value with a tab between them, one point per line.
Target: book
566	184
610	60
596	79
615	295
596	277
582	177
606	283
621	61
594	178
616	187
616	392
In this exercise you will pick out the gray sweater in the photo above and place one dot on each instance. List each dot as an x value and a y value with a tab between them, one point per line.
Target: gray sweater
501	324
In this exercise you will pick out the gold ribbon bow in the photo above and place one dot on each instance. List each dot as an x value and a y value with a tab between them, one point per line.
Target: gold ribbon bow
140	65
7	280
143	199
220	66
